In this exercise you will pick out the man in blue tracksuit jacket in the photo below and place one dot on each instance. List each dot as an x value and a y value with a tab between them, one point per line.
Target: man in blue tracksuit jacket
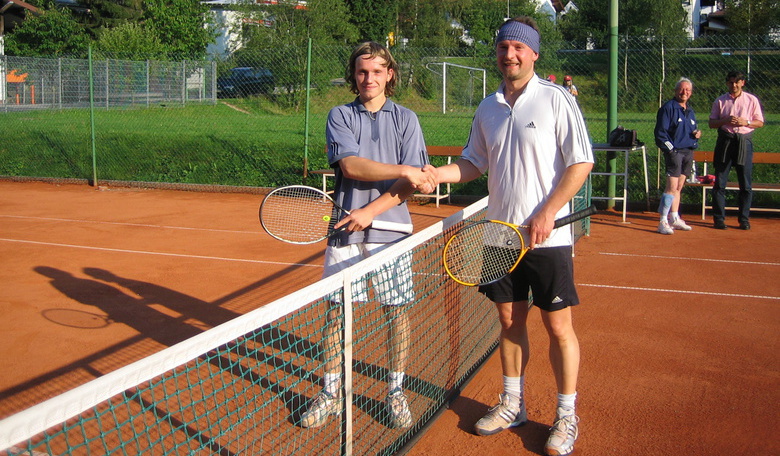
676	134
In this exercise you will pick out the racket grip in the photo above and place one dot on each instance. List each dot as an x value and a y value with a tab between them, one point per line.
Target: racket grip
406	228
573	217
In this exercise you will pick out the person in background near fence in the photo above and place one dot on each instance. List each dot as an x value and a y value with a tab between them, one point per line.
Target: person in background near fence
532	136
377	150
677	135
567	82
552	78
735	114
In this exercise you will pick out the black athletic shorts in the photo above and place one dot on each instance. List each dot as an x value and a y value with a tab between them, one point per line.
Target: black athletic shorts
548	273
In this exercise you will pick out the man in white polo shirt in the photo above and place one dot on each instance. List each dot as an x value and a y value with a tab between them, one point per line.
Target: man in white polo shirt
532	137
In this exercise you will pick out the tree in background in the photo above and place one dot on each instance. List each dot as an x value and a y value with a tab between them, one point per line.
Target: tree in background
172	29
53	33
427	23
129	41
482	18
752	17
589	25
106	14
276	37
180	25
328	23
374	19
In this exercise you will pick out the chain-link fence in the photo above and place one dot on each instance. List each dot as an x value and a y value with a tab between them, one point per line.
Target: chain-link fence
198	123
38	83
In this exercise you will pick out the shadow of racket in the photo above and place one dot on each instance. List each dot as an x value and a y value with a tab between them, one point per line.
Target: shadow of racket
76	318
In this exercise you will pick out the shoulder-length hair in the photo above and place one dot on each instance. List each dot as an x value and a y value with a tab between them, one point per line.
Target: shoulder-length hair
372	49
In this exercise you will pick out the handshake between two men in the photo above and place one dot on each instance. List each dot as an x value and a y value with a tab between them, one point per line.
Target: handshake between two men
409	180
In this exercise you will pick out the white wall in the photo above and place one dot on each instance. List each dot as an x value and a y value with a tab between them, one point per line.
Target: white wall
227	24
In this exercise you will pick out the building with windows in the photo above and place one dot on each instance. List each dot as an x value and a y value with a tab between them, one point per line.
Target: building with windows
704	16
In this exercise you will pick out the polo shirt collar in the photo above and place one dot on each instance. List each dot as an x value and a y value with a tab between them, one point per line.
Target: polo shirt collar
530	86
388	106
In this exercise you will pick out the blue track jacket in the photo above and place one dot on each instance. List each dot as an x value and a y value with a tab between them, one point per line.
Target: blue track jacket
674	127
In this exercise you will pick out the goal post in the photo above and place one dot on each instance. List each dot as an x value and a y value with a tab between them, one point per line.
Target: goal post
472	73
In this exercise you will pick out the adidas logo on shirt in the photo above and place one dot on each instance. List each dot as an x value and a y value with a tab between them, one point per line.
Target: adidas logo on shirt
530	125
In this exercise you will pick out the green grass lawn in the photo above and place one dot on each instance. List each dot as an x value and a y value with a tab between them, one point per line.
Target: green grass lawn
249	144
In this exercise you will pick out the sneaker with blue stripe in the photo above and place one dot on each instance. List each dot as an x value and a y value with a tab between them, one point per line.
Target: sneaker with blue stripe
502	416
563	433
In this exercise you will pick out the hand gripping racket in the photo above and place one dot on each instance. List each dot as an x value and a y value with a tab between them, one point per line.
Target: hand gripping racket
304	215
485	251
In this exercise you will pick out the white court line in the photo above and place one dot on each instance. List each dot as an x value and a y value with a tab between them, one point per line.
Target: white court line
662	290
142	252
92	222
763	263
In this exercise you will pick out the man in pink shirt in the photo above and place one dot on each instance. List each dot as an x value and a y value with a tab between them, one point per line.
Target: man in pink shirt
735	114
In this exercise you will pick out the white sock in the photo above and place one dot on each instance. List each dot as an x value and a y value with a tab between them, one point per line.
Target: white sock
396	381
513	386
566	401
332	383
674	216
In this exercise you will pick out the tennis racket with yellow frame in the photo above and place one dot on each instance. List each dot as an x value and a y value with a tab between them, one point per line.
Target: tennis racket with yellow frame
485	251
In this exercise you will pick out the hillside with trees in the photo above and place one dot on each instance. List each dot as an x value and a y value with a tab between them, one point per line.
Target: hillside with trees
160	29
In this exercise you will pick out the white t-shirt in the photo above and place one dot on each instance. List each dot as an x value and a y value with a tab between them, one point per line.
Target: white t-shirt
526	148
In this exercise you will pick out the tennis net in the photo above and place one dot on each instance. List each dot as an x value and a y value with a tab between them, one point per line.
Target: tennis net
241	387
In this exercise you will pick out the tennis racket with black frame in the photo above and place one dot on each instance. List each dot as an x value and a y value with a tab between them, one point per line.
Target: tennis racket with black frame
485	251
299	214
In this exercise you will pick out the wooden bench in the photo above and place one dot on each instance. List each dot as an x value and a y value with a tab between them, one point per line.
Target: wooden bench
433	151
706	157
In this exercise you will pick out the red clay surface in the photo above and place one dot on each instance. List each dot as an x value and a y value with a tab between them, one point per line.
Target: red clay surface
679	340
679	334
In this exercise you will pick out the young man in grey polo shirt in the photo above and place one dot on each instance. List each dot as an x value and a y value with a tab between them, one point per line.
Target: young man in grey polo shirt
377	151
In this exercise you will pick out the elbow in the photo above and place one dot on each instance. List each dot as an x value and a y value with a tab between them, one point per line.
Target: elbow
349	168
587	169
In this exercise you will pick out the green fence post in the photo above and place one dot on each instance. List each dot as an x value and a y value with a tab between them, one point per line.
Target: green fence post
92	118
613	97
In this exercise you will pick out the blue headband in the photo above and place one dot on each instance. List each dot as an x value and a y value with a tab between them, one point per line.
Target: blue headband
517	31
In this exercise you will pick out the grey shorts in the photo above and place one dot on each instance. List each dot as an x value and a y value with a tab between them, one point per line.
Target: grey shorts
678	162
392	282
548	273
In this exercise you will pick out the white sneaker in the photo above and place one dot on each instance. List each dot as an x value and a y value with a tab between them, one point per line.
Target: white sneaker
322	406
501	417
398	410
679	224
665	228
563	434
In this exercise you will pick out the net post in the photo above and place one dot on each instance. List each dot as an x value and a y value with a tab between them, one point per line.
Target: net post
452	314
347	368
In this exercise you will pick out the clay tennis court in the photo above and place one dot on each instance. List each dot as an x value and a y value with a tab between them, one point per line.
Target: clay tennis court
679	334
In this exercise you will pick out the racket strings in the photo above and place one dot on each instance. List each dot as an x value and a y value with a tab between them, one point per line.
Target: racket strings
298	214
483	252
